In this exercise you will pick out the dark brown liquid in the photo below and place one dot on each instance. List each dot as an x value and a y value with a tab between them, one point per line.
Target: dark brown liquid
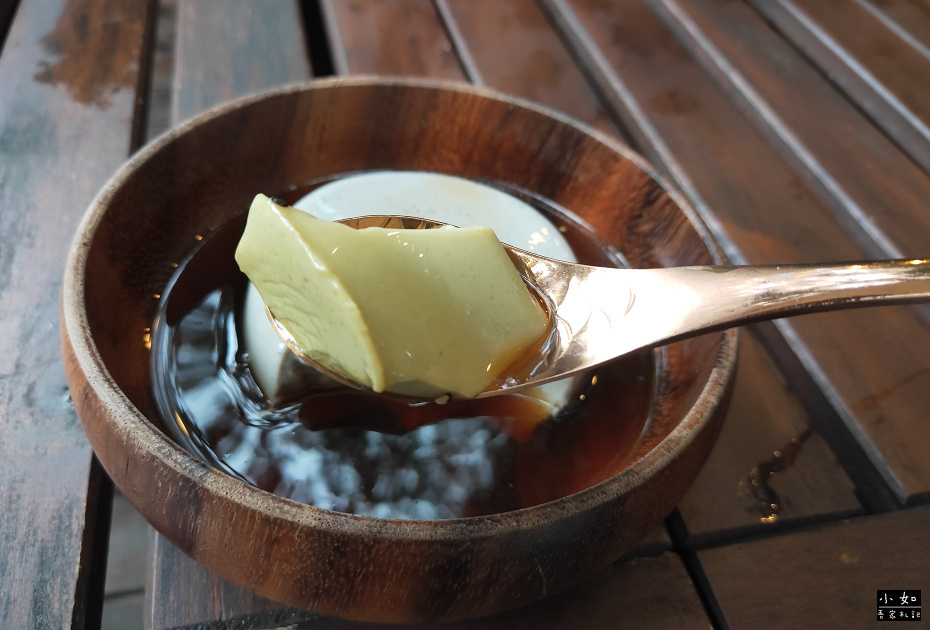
366	454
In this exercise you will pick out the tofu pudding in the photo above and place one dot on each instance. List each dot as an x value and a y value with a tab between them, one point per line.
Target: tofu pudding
415	308
231	394
444	198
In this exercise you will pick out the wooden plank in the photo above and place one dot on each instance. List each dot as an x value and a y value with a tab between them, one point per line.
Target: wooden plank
645	592
234	48
747	191
880	194
642	593
870	62
182	593
910	19
128	551
870	363
389	37
159	96
189	595
825	578
516	51
770	469
69	73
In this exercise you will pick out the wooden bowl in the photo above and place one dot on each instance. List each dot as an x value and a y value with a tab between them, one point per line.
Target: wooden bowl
186	183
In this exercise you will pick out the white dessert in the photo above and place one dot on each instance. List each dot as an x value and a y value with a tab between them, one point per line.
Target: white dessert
444	198
417	312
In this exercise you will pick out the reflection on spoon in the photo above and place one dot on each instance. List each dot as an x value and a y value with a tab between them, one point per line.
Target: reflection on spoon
600	313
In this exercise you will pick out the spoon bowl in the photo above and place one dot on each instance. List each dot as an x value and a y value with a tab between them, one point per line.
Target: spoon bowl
600	313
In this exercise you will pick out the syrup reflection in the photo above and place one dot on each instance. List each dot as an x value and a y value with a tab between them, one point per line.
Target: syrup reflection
755	491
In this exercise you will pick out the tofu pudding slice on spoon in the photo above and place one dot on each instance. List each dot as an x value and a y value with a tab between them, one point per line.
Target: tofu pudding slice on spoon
434	196
426	313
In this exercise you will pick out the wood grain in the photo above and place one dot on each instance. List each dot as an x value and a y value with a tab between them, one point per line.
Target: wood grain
910	19
189	595
823	578
182	593
765	211
645	592
868	60
389	37
877	192
770	468
697	134
230	49
67	96
517	52
642	593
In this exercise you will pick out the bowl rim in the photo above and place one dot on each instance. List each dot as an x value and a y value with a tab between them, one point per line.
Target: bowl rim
144	433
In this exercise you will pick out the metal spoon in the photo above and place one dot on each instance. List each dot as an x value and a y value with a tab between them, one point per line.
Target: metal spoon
600	313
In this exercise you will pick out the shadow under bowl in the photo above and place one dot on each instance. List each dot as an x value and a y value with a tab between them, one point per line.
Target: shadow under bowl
187	183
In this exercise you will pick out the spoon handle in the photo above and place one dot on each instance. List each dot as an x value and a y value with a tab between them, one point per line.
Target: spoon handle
603	313
713	297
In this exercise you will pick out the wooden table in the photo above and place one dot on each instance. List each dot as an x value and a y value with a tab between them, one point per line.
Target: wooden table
800	129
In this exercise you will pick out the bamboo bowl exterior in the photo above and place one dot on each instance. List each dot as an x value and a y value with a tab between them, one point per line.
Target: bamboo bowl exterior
184	184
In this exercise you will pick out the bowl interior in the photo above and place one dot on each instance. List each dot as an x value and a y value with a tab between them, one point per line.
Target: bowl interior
194	183
190	182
